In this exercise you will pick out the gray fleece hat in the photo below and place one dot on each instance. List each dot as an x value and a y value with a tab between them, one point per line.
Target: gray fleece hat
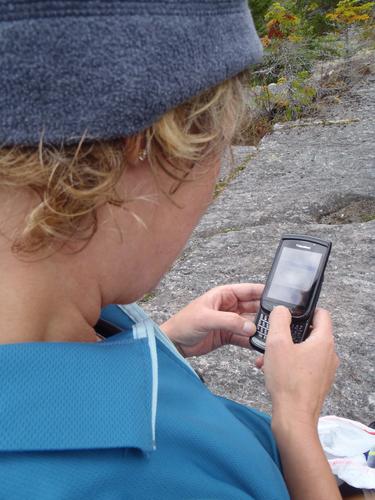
111	68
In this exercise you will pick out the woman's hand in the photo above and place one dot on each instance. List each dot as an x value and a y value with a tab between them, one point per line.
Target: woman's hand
299	376
223	315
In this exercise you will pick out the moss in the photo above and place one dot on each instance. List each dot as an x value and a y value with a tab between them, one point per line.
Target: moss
368	217
230	229
221	185
147	297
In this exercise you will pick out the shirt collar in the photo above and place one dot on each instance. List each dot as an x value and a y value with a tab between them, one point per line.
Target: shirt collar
64	396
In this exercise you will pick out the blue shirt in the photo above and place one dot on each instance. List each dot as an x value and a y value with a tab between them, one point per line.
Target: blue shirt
125	418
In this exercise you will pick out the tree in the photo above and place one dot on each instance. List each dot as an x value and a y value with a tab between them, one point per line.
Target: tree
258	9
350	12
347	13
282	23
314	14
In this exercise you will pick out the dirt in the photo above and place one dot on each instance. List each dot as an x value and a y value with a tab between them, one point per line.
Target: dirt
356	211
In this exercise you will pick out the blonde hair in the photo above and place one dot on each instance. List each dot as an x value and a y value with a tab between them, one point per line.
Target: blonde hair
72	181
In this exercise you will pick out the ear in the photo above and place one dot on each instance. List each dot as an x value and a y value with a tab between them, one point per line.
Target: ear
134	146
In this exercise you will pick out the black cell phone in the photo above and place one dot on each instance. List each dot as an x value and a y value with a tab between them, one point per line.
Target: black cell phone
295	281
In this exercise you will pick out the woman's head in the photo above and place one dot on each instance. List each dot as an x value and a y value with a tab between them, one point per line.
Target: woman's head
84	89
68	184
123	221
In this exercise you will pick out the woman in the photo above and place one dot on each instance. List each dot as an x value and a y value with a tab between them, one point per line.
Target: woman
114	116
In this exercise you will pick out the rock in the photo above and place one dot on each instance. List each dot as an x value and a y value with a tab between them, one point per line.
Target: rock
333	77
298	175
233	157
276	91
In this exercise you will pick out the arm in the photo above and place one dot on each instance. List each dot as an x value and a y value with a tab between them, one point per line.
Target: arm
298	377
305	468
223	315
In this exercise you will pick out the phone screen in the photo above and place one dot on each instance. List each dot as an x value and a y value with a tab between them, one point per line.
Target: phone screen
294	276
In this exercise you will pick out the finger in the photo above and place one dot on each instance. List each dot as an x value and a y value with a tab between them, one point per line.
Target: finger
229	321
249	316
279	329
239	340
321	319
246	292
259	362
321	325
251	306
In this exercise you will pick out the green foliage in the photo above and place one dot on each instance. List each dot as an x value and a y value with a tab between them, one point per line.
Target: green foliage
312	14
258	9
290	102
281	21
346	14
291	40
351	12
297	35
285	58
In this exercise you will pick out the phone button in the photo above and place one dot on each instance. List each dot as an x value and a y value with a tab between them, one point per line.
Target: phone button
258	343
298	330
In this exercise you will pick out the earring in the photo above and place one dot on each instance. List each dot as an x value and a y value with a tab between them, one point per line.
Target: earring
142	155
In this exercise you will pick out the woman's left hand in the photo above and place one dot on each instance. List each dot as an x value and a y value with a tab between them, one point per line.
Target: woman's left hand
223	315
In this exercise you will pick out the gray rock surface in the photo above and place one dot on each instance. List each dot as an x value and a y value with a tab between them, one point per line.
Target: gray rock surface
301	173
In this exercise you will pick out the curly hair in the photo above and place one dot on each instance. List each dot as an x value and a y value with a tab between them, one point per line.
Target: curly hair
72	181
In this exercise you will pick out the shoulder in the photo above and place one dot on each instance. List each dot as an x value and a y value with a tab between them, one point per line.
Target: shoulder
105	419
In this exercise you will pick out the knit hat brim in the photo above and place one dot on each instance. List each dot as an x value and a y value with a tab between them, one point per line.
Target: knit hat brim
113	75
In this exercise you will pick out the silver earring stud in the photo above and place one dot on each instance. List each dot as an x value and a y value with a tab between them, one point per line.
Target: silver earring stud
142	155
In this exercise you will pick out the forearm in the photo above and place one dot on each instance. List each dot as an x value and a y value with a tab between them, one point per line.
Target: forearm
167	328
305	468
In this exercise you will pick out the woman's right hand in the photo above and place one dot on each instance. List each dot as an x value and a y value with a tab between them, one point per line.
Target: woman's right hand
299	376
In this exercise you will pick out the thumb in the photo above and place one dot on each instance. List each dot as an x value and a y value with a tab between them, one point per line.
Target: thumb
322	326
230	322
259	362
279	329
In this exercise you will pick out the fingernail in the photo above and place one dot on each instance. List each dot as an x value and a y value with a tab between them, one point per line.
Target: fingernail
248	327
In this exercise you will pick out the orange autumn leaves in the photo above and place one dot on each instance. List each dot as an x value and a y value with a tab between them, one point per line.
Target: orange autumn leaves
283	22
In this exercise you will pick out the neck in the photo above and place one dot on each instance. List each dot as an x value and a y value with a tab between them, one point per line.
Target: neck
41	303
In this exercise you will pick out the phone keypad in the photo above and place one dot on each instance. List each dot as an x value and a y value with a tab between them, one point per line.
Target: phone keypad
262	327
297	330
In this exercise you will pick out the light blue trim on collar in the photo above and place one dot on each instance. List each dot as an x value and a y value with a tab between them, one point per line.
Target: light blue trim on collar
136	313
145	327
155	380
